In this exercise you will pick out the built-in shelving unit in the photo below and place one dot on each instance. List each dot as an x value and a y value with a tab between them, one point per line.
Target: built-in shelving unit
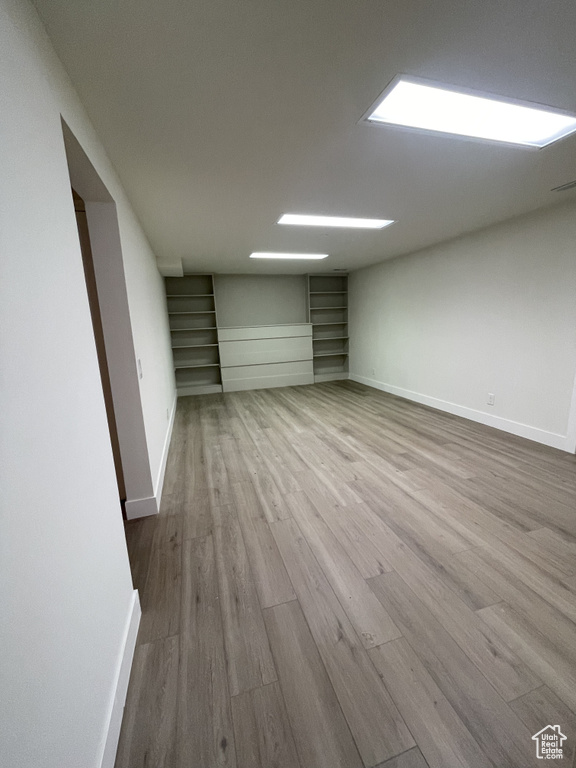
193	328
328	313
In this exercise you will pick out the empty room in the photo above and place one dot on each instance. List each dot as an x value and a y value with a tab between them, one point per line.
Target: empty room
288	384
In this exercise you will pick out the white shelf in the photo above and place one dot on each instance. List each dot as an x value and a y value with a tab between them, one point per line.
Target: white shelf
198	377
193	346
185	390
188	295
179	367
344	322
332	338
316	309
339	376
195	312
331	354
328	293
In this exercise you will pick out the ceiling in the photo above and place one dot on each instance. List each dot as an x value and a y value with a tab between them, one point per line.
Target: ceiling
220	115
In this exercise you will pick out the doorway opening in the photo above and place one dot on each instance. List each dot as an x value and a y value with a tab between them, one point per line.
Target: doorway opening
103	262
95	311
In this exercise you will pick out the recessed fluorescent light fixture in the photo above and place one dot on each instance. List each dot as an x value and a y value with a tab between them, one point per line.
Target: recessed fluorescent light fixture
305	220
424	105
264	255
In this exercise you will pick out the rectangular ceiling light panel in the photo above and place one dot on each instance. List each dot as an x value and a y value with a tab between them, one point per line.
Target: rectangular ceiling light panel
301	219
432	107
263	255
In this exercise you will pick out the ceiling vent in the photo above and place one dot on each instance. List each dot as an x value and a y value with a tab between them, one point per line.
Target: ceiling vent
564	187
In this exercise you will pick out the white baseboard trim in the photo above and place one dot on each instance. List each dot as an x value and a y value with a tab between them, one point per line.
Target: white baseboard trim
112	735
551	439
160	479
572	421
141	507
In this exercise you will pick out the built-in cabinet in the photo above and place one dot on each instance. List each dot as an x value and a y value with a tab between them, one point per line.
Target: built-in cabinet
193	328
264	356
328	314
209	359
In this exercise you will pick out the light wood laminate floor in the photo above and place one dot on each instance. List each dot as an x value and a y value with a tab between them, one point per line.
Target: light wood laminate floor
340	578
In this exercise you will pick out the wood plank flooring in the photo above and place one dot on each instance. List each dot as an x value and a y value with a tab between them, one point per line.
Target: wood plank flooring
339	578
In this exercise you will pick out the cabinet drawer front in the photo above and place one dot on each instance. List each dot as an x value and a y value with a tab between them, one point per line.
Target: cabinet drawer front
264	332
262	351
244	377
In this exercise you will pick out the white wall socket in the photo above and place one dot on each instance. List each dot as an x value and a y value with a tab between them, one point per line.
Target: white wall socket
490	398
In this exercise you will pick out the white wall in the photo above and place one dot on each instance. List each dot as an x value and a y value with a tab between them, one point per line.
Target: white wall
494	311
243	300
66	593
152	344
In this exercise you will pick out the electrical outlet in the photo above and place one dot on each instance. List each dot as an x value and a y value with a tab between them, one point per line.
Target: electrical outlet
167	415
490	398
140	374
373	371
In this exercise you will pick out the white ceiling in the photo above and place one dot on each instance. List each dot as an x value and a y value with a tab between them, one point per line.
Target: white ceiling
220	115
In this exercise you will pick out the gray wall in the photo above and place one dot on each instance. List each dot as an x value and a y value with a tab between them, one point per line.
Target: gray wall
260	299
